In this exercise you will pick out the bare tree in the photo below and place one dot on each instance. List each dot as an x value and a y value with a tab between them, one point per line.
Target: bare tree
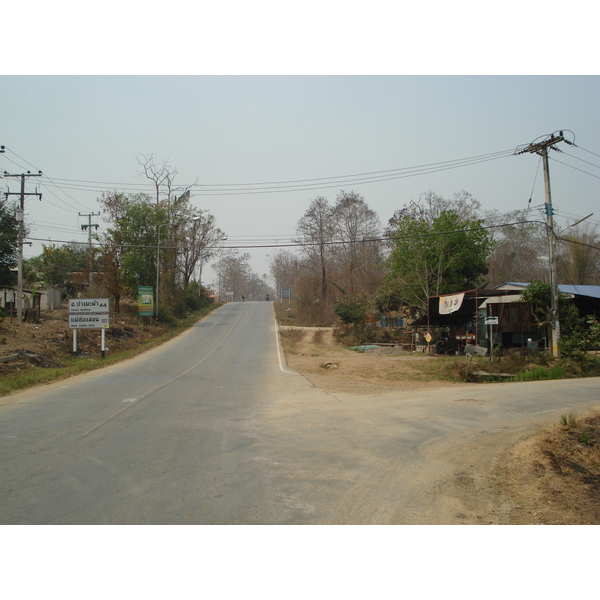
162	175
578	259
357	229
284	269
199	241
520	248
316	231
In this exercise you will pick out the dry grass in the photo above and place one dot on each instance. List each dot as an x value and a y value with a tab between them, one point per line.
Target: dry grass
555	477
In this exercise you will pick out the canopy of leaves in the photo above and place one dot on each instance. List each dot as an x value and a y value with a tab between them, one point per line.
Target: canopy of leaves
437	256
9	228
351	309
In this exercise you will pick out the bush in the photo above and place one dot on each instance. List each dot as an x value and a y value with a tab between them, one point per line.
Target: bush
352	310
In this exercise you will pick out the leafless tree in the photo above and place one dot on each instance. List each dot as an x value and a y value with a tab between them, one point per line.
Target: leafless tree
316	231
578	260
357	229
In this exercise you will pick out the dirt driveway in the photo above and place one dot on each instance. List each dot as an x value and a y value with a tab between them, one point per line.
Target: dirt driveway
525	475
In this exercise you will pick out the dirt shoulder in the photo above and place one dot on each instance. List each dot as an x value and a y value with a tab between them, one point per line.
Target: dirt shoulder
49	342
547	477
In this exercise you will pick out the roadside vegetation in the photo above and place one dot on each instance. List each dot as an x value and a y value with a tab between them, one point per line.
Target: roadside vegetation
133	335
554	477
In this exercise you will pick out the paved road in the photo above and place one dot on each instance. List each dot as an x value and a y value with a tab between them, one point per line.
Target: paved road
212	428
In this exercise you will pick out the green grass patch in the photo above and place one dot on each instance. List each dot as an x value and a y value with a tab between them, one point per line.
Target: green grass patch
540	373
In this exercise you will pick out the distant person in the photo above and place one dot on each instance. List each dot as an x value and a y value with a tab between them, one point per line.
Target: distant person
243	298
267	297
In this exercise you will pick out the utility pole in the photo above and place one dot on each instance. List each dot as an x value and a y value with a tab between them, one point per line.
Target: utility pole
89	226
21	219
541	148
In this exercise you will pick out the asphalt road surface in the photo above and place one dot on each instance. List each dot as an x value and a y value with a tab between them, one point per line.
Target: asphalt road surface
213	428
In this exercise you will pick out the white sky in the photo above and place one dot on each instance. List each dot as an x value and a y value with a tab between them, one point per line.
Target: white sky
260	91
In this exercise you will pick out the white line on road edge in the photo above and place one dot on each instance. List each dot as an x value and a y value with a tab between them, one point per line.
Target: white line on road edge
282	366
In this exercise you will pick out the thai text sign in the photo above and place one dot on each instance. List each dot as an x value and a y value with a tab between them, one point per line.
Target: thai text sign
88	305
88	321
451	303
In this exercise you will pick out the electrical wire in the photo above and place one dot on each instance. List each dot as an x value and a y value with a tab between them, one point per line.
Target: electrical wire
576	169
580	159
301	184
296	244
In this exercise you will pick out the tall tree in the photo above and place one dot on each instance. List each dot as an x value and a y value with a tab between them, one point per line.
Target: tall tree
134	222
316	230
437	250
199	241
578	259
519	248
357	229
284	269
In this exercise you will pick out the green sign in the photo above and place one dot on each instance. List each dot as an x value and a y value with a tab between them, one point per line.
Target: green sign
146	301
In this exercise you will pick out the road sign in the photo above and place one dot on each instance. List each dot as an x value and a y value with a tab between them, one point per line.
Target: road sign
491	320
78	306
88	321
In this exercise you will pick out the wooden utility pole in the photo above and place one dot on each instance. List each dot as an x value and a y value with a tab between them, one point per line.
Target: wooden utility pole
541	148
21	219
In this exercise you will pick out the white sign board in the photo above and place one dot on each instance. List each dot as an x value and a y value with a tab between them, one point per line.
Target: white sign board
491	320
451	303
80	306
88	321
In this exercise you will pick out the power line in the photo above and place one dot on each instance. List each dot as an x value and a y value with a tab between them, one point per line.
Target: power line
295	244
295	185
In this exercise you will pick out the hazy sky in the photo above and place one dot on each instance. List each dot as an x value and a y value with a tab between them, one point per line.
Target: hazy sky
264	93
254	129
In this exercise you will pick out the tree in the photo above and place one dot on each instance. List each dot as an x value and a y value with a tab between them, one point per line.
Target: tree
578	259
9	231
356	251
235	275
161	175
284	269
438	247
316	230
519	251
132	237
538	295
200	240
63	266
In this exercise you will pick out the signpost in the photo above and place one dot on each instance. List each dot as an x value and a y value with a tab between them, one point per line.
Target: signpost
490	322
89	313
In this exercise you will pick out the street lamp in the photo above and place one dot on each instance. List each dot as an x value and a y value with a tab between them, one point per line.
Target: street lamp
158	257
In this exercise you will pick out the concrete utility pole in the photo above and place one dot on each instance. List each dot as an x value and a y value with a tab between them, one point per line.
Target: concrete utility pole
541	148
21	219
89	226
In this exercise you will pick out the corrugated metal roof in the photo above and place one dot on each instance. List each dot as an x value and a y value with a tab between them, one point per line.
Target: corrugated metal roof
591	291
